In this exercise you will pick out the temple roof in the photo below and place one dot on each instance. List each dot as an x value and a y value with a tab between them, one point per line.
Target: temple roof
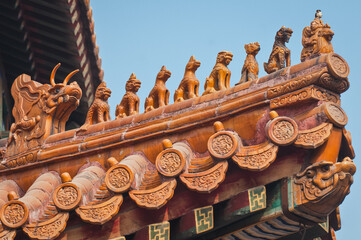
171	167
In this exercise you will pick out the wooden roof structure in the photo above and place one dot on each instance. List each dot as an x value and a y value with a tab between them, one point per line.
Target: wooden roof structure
269	158
35	35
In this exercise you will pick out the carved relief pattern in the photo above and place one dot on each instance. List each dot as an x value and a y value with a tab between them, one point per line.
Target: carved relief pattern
315	137
282	131
14	214
203	182
100	213
222	144
119	177
256	158
22	160
154	198
339	65
292	85
206	181
49	229
329	82
67	195
336	115
305	94
170	163
7	235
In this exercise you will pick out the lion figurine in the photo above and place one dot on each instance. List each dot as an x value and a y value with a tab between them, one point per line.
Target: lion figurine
316	39
250	67
189	86
130	102
280	56
220	76
159	96
99	110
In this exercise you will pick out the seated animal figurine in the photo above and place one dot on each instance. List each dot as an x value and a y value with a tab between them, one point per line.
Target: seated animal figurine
159	96
189	86
280	56
250	67
220	76
99	110
316	39
130	102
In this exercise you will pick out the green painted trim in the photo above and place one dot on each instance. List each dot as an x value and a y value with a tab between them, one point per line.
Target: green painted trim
159	231
204	219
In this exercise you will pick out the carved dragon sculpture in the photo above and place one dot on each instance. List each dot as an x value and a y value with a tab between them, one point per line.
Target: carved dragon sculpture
324	185
40	110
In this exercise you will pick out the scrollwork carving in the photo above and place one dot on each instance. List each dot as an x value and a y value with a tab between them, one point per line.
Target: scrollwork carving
14	214
314	137
49	229
282	131
119	178
304	94
336	115
154	198
294	84
256	158
222	145
67	196
100	213
327	81
206	181
170	162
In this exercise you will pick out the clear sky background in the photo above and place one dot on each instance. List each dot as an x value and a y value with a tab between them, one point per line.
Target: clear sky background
141	36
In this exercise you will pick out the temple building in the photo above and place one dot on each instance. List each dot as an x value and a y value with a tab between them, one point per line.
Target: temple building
268	158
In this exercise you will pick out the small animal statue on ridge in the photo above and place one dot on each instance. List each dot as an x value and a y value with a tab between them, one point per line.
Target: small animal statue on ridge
99	110
317	38
219	79
40	110
159	95
189	86
280	56
250	67
130	102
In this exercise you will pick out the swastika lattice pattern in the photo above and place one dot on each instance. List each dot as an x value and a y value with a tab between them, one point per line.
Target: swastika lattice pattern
159	231
204	218
257	198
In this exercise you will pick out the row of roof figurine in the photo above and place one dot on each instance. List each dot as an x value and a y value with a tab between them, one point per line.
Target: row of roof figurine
316	40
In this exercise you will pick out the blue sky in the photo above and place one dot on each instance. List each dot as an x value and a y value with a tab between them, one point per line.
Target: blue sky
142	36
